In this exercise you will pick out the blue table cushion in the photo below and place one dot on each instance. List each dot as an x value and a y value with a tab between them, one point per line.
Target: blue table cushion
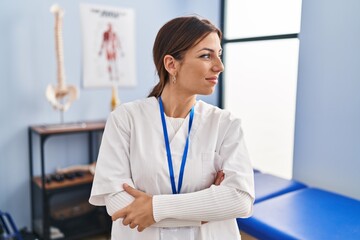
307	214
269	186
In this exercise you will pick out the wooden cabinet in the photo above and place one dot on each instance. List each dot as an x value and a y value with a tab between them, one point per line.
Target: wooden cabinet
59	207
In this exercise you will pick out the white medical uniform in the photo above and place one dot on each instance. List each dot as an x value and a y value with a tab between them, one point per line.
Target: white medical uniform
133	152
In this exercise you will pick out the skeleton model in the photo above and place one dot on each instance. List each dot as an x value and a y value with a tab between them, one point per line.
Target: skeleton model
60	96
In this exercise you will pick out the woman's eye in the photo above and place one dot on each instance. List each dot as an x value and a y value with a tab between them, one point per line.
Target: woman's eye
205	56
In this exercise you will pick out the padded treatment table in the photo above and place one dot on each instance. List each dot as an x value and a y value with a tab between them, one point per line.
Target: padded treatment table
306	214
269	186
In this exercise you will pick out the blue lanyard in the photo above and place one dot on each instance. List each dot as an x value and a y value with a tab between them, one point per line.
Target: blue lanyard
168	151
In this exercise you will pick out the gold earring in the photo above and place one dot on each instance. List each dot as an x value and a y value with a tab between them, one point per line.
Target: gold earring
174	79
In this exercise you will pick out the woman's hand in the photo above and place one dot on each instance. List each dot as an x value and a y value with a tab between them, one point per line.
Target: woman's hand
219	177
137	214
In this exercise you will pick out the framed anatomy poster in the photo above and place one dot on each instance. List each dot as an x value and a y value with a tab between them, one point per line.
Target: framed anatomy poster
108	35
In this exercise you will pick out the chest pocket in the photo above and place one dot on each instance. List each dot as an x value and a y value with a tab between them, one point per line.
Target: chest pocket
211	164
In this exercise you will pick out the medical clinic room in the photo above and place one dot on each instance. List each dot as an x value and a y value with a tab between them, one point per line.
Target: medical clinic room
180	120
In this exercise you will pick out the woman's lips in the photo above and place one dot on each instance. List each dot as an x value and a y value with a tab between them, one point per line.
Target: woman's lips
213	80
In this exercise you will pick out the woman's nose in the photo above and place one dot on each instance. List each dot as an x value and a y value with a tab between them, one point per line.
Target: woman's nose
218	65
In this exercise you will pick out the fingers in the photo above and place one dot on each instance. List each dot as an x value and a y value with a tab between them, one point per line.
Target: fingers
128	221
219	177
133	225
139	213
132	191
119	214
140	229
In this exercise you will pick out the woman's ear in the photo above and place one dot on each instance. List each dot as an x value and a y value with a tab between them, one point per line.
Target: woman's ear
170	64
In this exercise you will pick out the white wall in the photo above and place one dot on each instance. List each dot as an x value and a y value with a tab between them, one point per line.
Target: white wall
327	132
27	66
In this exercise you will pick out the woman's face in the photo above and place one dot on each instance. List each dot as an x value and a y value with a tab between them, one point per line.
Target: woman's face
201	66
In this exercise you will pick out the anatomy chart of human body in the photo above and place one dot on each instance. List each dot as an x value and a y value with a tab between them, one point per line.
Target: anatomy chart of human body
108	46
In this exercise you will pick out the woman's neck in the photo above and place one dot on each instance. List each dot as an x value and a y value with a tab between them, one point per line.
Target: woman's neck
176	104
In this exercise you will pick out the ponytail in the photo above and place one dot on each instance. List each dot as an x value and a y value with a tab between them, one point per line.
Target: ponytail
157	90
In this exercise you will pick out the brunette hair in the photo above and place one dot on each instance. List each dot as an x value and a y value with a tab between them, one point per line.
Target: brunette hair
175	38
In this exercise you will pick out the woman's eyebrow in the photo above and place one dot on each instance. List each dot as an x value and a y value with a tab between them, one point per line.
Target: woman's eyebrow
208	49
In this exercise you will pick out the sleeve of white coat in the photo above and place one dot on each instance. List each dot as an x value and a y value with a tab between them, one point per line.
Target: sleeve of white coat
236	164
212	204
112	166
116	201
233	198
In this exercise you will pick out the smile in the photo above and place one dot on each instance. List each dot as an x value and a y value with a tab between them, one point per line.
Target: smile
213	80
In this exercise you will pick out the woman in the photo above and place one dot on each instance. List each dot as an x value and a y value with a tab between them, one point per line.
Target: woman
169	166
